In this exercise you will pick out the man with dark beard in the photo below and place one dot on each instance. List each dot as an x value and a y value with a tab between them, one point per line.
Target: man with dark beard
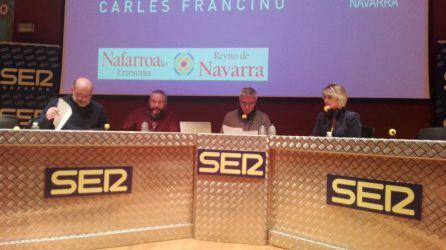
154	117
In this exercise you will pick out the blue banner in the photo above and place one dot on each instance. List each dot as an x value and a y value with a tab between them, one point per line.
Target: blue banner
6	20
210	64
440	86
29	76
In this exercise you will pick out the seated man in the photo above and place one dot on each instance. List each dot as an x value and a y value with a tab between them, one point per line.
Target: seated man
86	113
246	116
155	115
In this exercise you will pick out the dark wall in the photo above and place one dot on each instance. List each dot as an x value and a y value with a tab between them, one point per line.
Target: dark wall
47	15
437	20
294	116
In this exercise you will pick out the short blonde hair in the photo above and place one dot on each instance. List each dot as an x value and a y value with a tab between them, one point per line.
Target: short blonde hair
338	91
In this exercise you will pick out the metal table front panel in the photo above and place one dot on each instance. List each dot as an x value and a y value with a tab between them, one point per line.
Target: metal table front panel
158	208
288	207
301	218
226	208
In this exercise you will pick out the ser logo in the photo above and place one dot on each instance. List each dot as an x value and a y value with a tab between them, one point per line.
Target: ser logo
68	182
233	163
392	198
24	115
26	77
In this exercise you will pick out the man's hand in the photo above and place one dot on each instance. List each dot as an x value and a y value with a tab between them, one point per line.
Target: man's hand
51	113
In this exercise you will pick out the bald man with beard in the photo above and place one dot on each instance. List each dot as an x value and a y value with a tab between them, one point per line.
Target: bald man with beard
87	114
155	114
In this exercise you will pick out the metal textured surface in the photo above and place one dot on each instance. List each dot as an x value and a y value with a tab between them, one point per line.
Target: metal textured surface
409	148
290	201
106	239
300	217
231	209
159	207
94	138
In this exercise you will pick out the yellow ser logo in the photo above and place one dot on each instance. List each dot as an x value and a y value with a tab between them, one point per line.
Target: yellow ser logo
61	182
234	163
398	199
26	77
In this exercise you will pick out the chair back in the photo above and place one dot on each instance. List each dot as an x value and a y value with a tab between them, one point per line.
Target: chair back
367	132
8	121
435	133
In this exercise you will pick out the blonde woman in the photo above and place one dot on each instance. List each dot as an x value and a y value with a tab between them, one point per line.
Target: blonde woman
335	120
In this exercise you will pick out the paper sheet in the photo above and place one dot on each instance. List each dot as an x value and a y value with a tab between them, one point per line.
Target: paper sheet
237	131
65	112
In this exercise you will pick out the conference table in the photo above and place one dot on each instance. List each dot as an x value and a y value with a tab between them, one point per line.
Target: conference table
97	189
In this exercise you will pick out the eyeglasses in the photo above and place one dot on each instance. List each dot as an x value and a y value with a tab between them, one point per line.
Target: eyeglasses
247	103
80	96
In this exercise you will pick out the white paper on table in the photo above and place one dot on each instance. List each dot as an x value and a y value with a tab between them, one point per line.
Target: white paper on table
237	131
65	112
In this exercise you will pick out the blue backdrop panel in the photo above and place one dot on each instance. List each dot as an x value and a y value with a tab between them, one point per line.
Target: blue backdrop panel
29	76
440	85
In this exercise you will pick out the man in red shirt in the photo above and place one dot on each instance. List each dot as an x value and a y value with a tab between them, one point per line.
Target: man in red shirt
153	117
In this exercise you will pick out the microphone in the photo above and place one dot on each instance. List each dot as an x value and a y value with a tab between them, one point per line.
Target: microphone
326	108
331	124
392	132
107	126
247	117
